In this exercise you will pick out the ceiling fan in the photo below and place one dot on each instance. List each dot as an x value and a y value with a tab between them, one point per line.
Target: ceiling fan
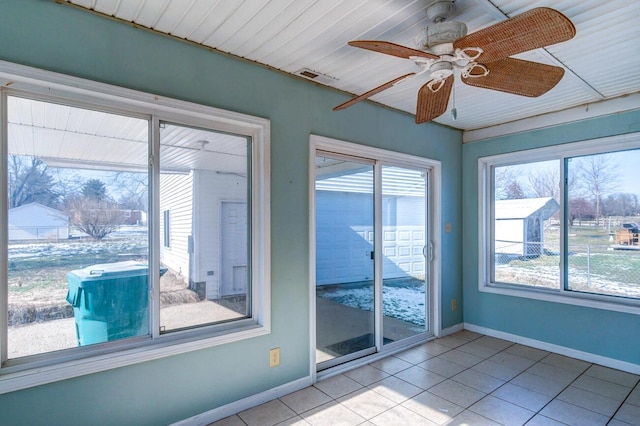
482	57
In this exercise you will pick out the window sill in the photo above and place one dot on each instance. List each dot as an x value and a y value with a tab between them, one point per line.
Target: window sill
16	378
569	298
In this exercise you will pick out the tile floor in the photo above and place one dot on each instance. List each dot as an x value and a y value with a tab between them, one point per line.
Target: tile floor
462	379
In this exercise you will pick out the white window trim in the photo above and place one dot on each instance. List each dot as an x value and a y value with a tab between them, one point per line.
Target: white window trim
485	199
49	84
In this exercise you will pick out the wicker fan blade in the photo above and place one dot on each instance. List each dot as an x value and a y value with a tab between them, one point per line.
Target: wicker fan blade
530	30
519	77
433	104
393	49
373	92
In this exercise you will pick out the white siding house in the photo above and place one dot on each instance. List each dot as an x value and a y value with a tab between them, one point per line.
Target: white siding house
176	208
205	209
519	227
35	221
344	225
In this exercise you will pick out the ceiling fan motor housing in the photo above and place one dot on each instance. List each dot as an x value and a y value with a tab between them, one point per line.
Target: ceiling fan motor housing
443	32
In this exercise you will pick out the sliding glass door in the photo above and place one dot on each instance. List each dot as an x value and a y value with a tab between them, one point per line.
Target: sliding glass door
371	256
345	321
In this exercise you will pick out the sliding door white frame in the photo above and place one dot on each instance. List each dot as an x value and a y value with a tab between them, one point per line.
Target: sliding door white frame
433	168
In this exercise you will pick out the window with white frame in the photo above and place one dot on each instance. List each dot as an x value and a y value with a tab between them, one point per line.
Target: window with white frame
561	223
80	277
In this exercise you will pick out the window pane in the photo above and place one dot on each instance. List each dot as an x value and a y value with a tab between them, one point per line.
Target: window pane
78	241
603	255
403	262
204	186
345	296
526	226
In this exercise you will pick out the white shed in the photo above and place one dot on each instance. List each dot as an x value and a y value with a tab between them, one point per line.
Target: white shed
35	221
519	225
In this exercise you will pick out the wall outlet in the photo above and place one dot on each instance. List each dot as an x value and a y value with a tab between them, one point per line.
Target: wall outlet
454	304
274	357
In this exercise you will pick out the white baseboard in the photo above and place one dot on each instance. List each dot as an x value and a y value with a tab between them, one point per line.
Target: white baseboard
244	404
450	330
562	350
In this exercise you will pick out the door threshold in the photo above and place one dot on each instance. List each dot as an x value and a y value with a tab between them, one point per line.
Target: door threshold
367	359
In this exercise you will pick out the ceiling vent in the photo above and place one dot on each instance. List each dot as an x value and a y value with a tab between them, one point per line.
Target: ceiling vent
316	76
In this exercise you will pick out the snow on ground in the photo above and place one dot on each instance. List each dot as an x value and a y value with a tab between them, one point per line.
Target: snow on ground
71	248
579	280
405	303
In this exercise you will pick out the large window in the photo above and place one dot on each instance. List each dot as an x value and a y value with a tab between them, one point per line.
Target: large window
203	181
562	223
127	228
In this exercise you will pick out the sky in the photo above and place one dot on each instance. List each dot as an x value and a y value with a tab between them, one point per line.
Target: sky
626	163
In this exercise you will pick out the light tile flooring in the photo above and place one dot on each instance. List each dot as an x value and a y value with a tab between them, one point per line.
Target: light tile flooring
462	379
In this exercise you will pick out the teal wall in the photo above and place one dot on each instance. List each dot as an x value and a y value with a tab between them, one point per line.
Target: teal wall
60	38
606	333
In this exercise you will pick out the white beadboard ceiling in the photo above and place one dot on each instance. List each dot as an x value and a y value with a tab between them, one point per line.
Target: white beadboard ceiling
601	62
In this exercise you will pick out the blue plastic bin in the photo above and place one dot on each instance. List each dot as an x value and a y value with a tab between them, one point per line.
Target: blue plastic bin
110	301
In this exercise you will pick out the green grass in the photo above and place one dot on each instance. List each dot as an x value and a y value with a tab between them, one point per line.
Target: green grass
37	272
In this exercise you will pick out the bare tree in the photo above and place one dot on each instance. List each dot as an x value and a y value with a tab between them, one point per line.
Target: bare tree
96	218
133	189
30	181
621	204
579	209
545	183
93	212
514	191
505	182
598	176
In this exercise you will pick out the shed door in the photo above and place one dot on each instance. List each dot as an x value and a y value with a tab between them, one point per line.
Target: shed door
234	243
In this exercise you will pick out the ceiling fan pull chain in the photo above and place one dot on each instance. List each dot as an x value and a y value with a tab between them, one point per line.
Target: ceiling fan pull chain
474	70
454	111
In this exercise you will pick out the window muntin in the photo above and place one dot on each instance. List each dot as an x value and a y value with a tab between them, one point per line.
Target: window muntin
204	183
596	264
